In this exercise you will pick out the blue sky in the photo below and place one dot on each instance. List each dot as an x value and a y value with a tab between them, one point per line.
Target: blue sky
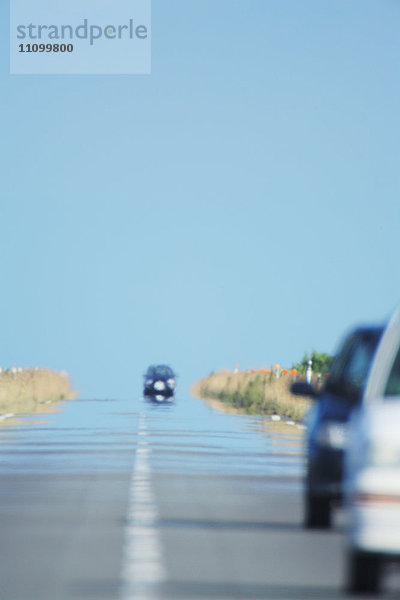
238	205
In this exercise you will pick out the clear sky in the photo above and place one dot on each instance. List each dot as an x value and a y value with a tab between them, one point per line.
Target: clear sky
239	205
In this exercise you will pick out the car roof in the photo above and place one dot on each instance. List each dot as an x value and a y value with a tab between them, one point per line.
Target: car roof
159	371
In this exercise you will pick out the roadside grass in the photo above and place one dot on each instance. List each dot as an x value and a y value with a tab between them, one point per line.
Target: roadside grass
253	393
25	391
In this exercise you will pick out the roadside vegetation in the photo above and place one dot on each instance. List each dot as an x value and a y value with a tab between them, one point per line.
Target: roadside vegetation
26	390
263	391
321	363
252	393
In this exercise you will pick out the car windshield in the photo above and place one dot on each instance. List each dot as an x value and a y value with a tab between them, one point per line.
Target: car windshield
393	383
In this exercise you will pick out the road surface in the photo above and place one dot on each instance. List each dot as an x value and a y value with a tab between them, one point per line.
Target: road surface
124	500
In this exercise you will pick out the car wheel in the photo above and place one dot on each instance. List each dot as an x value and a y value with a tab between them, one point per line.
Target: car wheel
364	572
318	512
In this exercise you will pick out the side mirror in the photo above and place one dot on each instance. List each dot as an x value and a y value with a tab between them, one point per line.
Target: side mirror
302	388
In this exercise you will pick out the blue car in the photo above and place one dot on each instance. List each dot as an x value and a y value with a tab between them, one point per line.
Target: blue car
159	383
327	423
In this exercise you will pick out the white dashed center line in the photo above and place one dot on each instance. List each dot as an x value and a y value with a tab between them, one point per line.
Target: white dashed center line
142	565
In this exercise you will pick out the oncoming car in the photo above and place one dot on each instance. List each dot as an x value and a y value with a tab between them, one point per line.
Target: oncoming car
159	383
373	470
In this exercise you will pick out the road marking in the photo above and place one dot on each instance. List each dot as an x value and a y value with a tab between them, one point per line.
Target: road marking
6	416
142	567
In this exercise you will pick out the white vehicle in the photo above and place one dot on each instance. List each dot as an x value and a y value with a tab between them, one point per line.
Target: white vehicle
373	469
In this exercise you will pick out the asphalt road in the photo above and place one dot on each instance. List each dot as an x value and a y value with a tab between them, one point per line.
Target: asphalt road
122	500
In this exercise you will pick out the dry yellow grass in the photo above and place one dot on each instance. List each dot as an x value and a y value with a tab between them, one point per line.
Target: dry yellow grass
26	391
252	393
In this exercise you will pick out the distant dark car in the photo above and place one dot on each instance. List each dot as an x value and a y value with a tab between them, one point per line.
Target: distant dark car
327	423
159	383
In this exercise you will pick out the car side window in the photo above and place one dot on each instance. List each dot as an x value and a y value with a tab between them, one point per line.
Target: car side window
350	369
358	366
335	382
393	383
